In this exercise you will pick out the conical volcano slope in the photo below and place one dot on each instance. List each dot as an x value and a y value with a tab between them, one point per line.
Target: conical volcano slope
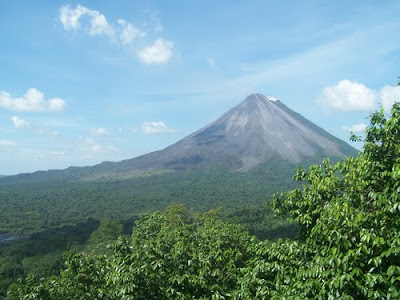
256	130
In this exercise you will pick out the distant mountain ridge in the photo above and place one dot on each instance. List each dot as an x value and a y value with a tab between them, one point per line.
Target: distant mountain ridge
250	134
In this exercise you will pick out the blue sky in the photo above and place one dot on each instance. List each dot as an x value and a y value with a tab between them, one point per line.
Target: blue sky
82	82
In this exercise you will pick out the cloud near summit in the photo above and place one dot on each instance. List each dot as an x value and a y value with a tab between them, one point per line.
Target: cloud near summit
155	127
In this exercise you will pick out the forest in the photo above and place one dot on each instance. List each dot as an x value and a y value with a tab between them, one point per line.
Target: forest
345	242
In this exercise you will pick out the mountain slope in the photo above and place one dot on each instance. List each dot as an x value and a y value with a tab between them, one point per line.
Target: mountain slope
254	132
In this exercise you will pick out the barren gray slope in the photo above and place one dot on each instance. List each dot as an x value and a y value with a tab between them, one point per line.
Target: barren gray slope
254	131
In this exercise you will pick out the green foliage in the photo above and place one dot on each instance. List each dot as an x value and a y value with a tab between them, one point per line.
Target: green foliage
260	221
172	255
108	231
349	216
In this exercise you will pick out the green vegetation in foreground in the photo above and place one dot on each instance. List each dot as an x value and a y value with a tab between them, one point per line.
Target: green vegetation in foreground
348	247
42	253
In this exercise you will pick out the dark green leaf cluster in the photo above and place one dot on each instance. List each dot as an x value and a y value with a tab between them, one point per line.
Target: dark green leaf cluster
349	215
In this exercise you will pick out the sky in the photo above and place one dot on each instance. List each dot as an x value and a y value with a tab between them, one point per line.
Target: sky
87	81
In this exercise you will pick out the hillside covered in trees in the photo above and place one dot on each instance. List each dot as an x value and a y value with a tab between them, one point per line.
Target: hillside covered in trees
348	246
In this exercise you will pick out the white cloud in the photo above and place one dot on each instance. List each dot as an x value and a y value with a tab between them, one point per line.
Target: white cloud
91	145
155	127
7	143
94	23
357	128
33	100
70	17
272	98
56	104
19	123
128	32
158	53
99	131
98	25
389	95
348	96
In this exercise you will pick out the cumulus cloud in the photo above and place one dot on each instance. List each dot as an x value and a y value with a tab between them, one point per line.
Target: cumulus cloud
357	128
389	95
91	145
19	123
128	32
99	131
32	100
69	17
95	23
7	143
98	24
155	127
158	53
348	96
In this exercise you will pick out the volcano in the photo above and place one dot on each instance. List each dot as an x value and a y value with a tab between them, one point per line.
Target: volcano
252	133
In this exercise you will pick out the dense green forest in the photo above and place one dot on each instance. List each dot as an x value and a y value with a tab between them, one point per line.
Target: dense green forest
347	247
34	206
